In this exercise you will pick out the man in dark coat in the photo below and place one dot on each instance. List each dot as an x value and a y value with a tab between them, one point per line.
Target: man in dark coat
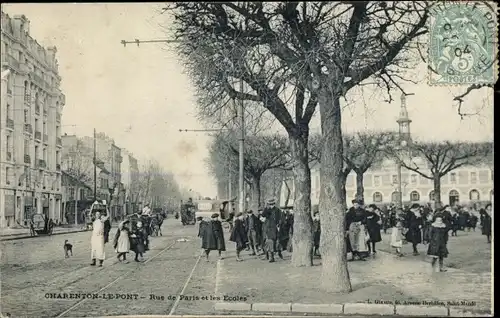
212	236
254	231
414	224
316	233
239	235
486	221
272	219
284	230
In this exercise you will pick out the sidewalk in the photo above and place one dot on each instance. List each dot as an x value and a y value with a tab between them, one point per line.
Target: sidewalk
9	234
383	278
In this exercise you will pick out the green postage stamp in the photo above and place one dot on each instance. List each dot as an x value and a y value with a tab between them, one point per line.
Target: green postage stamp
463	43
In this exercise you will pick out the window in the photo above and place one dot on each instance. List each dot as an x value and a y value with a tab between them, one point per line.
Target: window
377	197
376	181
473	177
394	196
491	175
474	195
414	196
82	194
453	177
72	193
7	175
26	147
45	154
413	179
26	116
8	112
36	154
394	179
27	97
36	125
432	196
44	127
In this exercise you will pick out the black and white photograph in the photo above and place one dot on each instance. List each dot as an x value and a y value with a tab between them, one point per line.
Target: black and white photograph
315	158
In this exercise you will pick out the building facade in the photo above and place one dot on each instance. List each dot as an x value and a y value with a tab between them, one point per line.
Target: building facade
466	185
110	154
31	110
130	178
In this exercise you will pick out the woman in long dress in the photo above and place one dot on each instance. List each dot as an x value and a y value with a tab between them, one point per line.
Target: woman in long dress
97	241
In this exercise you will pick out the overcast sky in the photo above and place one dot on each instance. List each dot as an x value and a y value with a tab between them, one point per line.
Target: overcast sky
140	97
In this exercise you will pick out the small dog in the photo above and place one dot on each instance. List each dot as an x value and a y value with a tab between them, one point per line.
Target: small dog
68	249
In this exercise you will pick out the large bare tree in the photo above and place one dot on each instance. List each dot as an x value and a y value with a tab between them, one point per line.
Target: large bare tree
441	158
324	49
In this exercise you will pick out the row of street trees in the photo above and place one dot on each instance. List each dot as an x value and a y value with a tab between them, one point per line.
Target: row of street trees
291	58
150	184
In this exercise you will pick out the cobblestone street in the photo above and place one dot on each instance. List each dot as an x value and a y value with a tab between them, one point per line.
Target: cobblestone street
35	270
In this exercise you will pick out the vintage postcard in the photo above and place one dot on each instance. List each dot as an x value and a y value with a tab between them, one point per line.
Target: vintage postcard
247	159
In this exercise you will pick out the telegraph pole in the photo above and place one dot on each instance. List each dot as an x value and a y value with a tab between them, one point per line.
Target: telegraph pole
95	168
241	180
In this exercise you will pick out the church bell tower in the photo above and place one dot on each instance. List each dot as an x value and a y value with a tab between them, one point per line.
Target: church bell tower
404	121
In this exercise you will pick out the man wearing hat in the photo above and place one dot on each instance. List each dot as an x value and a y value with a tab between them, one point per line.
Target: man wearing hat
254	231
272	219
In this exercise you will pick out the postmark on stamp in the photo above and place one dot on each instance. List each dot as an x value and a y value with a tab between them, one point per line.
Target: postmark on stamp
463	43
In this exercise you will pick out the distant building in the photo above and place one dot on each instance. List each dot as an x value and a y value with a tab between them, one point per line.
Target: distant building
130	178
110	154
465	185
30	128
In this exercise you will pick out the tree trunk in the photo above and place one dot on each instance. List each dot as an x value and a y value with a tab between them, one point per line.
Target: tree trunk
288	193
344	192
302	238
360	190
255	190
334	273
437	191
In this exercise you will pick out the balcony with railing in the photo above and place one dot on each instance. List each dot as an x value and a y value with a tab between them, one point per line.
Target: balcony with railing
9	156
41	164
38	135
59	142
27	159
58	117
28	128
45	138
10	123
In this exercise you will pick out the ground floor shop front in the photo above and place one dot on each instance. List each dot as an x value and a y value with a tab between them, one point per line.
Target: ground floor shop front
17	207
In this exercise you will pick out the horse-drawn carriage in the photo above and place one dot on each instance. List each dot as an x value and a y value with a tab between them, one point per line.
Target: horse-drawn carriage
188	213
40	224
152	223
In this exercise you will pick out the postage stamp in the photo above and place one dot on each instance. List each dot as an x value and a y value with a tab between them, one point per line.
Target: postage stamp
462	43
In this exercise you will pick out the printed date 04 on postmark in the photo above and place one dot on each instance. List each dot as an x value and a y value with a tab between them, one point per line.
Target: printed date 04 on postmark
463	43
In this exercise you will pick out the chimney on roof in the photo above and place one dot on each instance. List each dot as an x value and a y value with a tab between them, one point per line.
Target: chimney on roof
22	23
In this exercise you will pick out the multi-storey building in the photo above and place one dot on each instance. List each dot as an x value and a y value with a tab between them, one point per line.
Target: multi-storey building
465	185
110	155
31	109
78	176
130	177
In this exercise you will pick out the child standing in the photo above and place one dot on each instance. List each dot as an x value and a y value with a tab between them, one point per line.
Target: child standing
238	235
438	238
121	242
397	237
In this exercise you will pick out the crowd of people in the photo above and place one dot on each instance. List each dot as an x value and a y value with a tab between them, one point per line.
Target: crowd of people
132	235
269	231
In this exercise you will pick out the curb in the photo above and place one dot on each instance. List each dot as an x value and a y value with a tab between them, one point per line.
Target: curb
12	237
350	309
